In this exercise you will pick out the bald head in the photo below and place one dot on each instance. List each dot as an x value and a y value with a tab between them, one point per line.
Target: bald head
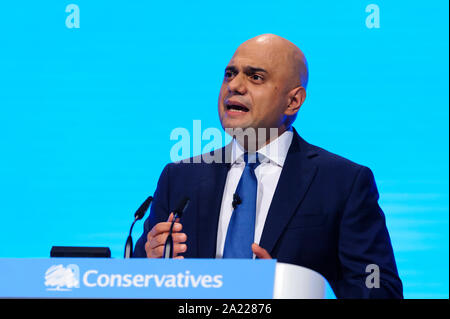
264	84
287	57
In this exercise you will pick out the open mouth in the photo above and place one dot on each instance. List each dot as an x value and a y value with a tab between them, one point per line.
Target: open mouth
236	107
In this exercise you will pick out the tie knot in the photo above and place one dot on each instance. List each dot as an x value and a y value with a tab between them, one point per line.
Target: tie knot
251	160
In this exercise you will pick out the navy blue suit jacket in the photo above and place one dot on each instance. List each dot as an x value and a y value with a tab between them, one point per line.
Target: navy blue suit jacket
324	216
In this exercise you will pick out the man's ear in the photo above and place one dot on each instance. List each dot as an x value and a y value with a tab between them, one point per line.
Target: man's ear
296	98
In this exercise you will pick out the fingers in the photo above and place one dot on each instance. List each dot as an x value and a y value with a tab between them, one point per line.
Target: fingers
165	227
260	252
159	251
171	218
157	236
160	239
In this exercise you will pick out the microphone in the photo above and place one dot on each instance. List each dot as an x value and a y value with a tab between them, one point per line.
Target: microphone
236	201
137	216
177	213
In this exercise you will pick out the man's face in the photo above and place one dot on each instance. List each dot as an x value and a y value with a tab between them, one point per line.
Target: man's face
254	89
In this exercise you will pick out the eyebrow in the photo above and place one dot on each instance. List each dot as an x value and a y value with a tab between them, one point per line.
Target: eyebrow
247	69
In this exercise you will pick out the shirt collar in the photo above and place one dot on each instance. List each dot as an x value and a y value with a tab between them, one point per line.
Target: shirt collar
276	151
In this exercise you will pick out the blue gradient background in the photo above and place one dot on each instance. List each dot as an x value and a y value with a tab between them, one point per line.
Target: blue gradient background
86	114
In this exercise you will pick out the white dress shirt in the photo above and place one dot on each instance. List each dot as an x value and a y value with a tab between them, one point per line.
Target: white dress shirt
271	157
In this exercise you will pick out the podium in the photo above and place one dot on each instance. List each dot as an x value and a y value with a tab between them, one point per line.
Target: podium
296	282
159	278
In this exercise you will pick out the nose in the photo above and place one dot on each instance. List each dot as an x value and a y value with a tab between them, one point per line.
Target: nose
237	85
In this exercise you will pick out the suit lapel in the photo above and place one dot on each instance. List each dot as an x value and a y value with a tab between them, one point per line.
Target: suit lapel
210	200
297	174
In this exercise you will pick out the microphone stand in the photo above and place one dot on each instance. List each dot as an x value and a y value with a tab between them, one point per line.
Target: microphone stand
129	244
178	212
137	216
168	247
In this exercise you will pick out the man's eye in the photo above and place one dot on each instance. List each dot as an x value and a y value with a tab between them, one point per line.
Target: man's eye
256	77
228	74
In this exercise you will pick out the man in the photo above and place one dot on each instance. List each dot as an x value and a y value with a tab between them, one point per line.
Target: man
294	201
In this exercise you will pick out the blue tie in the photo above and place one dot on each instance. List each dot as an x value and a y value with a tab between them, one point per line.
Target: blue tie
241	229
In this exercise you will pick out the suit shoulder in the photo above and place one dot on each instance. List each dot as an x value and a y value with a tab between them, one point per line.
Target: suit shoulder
339	172
217	156
324	158
187	167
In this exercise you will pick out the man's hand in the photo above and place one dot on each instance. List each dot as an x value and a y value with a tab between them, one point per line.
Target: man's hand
156	239
260	252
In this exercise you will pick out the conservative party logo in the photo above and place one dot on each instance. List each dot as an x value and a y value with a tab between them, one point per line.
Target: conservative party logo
61	278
